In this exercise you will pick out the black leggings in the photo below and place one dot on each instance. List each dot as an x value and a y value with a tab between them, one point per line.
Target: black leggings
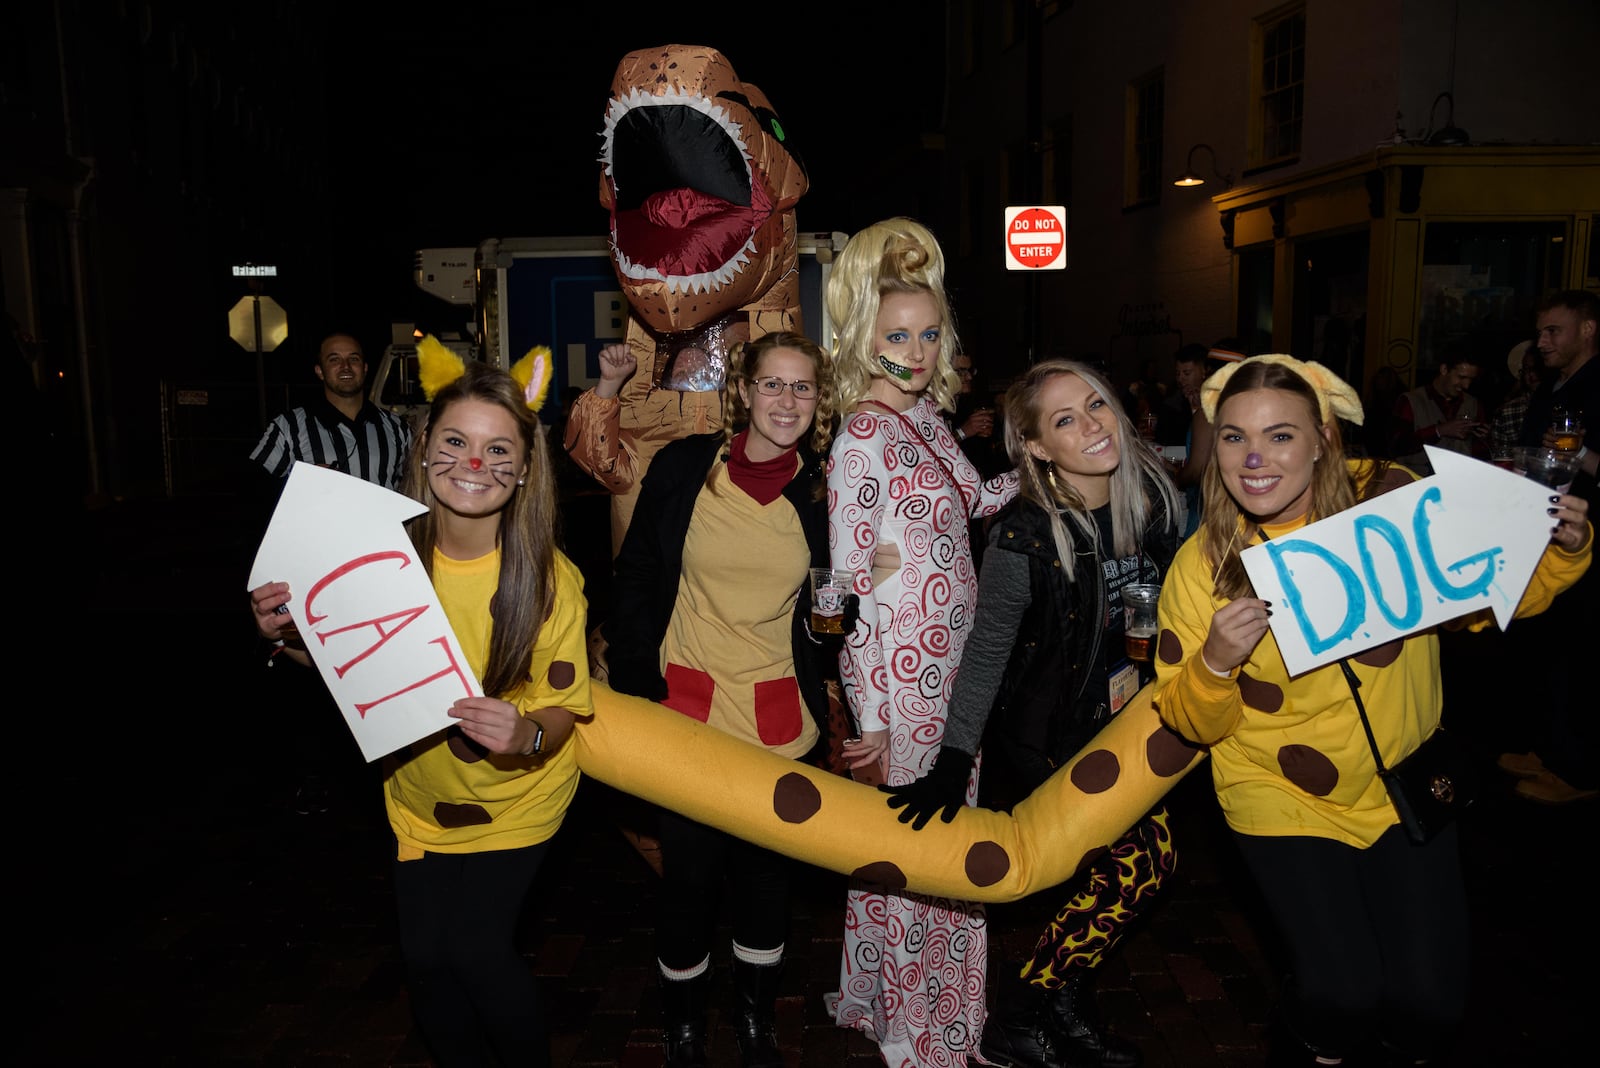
474	998
695	860
1377	938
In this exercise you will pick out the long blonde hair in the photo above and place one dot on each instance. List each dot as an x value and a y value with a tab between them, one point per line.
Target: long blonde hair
526	537
1130	506
898	255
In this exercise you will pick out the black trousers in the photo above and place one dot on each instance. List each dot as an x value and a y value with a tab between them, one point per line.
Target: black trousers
1377	938
474	998
706	873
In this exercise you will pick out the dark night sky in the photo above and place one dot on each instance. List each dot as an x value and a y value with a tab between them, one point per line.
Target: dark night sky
483	120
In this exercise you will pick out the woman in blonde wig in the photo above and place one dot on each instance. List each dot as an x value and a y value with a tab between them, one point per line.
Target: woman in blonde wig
900	492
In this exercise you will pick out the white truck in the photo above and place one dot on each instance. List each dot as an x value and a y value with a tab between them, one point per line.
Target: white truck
555	291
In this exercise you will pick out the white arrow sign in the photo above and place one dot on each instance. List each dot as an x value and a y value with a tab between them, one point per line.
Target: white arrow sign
1467	538
364	606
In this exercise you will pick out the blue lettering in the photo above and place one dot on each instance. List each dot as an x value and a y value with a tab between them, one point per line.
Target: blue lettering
1430	564
1408	571
1355	601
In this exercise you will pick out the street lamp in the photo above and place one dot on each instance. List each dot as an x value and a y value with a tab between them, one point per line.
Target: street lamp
1192	177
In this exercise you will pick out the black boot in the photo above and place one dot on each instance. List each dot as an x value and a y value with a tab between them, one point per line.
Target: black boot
1083	1038
683	1020
1019	1032
756	1023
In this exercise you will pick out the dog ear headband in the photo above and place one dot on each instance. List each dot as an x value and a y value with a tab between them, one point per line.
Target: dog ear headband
1334	394
437	367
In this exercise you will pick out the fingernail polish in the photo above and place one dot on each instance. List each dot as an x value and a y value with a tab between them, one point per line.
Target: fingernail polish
1555	500
1551	511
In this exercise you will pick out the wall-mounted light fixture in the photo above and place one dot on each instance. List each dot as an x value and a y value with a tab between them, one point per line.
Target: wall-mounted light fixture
1191	177
1449	133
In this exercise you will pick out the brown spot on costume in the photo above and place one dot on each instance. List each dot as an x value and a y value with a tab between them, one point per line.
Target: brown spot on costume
1308	769
1261	695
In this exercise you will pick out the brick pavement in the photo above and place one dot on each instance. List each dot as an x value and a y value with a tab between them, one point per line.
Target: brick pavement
183	914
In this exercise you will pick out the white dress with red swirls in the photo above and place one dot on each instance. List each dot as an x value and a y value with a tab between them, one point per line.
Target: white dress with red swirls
913	971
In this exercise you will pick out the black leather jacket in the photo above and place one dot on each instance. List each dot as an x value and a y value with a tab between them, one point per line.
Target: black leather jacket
1047	707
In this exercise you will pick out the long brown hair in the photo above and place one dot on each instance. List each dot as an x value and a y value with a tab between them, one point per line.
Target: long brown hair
525	593
1226	528
1130	507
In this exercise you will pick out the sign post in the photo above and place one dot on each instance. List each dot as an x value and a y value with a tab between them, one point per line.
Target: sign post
259	325
1036	238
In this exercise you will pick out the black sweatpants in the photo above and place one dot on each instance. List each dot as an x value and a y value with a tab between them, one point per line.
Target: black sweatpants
1377	938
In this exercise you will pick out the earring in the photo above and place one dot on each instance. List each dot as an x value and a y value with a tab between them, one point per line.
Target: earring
520	482
1050	477
424	465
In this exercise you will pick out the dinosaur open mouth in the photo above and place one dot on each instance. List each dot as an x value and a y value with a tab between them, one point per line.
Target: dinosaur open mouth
687	204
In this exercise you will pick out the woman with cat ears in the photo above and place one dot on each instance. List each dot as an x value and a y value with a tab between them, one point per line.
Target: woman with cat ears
474	808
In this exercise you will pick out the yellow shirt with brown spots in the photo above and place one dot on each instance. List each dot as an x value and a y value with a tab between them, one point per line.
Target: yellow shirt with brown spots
445	794
1289	756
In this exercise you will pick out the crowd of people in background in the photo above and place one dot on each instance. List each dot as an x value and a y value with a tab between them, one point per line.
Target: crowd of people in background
990	524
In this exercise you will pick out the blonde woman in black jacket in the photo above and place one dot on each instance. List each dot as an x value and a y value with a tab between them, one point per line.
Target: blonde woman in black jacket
1045	669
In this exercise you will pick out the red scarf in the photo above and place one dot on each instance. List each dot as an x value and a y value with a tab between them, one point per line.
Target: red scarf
763	480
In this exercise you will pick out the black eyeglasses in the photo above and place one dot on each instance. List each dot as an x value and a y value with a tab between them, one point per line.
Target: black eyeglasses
774	387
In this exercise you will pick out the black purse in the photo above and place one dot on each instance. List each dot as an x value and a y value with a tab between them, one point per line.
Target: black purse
1433	785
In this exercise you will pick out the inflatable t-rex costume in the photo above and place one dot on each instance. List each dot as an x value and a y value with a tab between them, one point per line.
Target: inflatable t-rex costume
701	187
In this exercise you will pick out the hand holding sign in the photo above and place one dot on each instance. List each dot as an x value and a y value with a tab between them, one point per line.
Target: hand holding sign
1467	538
363	605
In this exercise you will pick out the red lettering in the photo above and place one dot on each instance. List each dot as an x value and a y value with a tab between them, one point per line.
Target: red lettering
407	617
454	669
343	570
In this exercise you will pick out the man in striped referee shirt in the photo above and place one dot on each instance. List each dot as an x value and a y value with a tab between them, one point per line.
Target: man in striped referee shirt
344	430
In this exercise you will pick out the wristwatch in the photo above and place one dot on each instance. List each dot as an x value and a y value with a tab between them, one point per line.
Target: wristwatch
537	748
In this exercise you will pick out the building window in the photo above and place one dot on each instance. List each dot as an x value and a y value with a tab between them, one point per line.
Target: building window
1278	88
1143	167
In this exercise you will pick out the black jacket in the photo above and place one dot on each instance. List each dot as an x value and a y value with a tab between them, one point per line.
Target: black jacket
650	563
1046	710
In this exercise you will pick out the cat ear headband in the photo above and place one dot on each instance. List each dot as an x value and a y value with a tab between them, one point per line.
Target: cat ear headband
437	367
1334	395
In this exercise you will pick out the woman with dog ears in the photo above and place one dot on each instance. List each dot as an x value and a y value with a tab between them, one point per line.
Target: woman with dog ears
474	808
900	495
710	618
1375	926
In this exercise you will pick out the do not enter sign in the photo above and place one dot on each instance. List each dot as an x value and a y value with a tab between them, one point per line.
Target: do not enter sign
1036	238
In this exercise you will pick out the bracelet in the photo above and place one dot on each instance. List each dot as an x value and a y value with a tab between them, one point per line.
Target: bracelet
961	435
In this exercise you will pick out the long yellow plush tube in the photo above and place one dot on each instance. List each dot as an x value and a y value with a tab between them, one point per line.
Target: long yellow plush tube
806	813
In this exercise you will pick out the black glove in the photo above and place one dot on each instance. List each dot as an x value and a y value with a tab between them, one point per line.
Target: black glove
945	787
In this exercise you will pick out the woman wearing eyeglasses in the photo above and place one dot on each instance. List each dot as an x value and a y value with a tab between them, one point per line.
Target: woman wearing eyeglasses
901	493
709	617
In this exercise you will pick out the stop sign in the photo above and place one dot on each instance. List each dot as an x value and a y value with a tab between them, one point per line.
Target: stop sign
242	323
1036	238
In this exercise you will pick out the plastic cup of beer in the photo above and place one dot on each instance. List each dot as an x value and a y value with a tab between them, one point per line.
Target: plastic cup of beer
1568	431
1139	620
829	587
1555	468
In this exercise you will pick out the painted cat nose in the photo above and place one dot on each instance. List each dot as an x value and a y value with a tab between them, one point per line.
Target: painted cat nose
475	463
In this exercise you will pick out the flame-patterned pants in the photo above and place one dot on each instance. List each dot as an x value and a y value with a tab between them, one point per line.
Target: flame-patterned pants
1116	889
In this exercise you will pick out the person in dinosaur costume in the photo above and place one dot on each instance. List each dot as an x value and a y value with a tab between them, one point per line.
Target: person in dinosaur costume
701	186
